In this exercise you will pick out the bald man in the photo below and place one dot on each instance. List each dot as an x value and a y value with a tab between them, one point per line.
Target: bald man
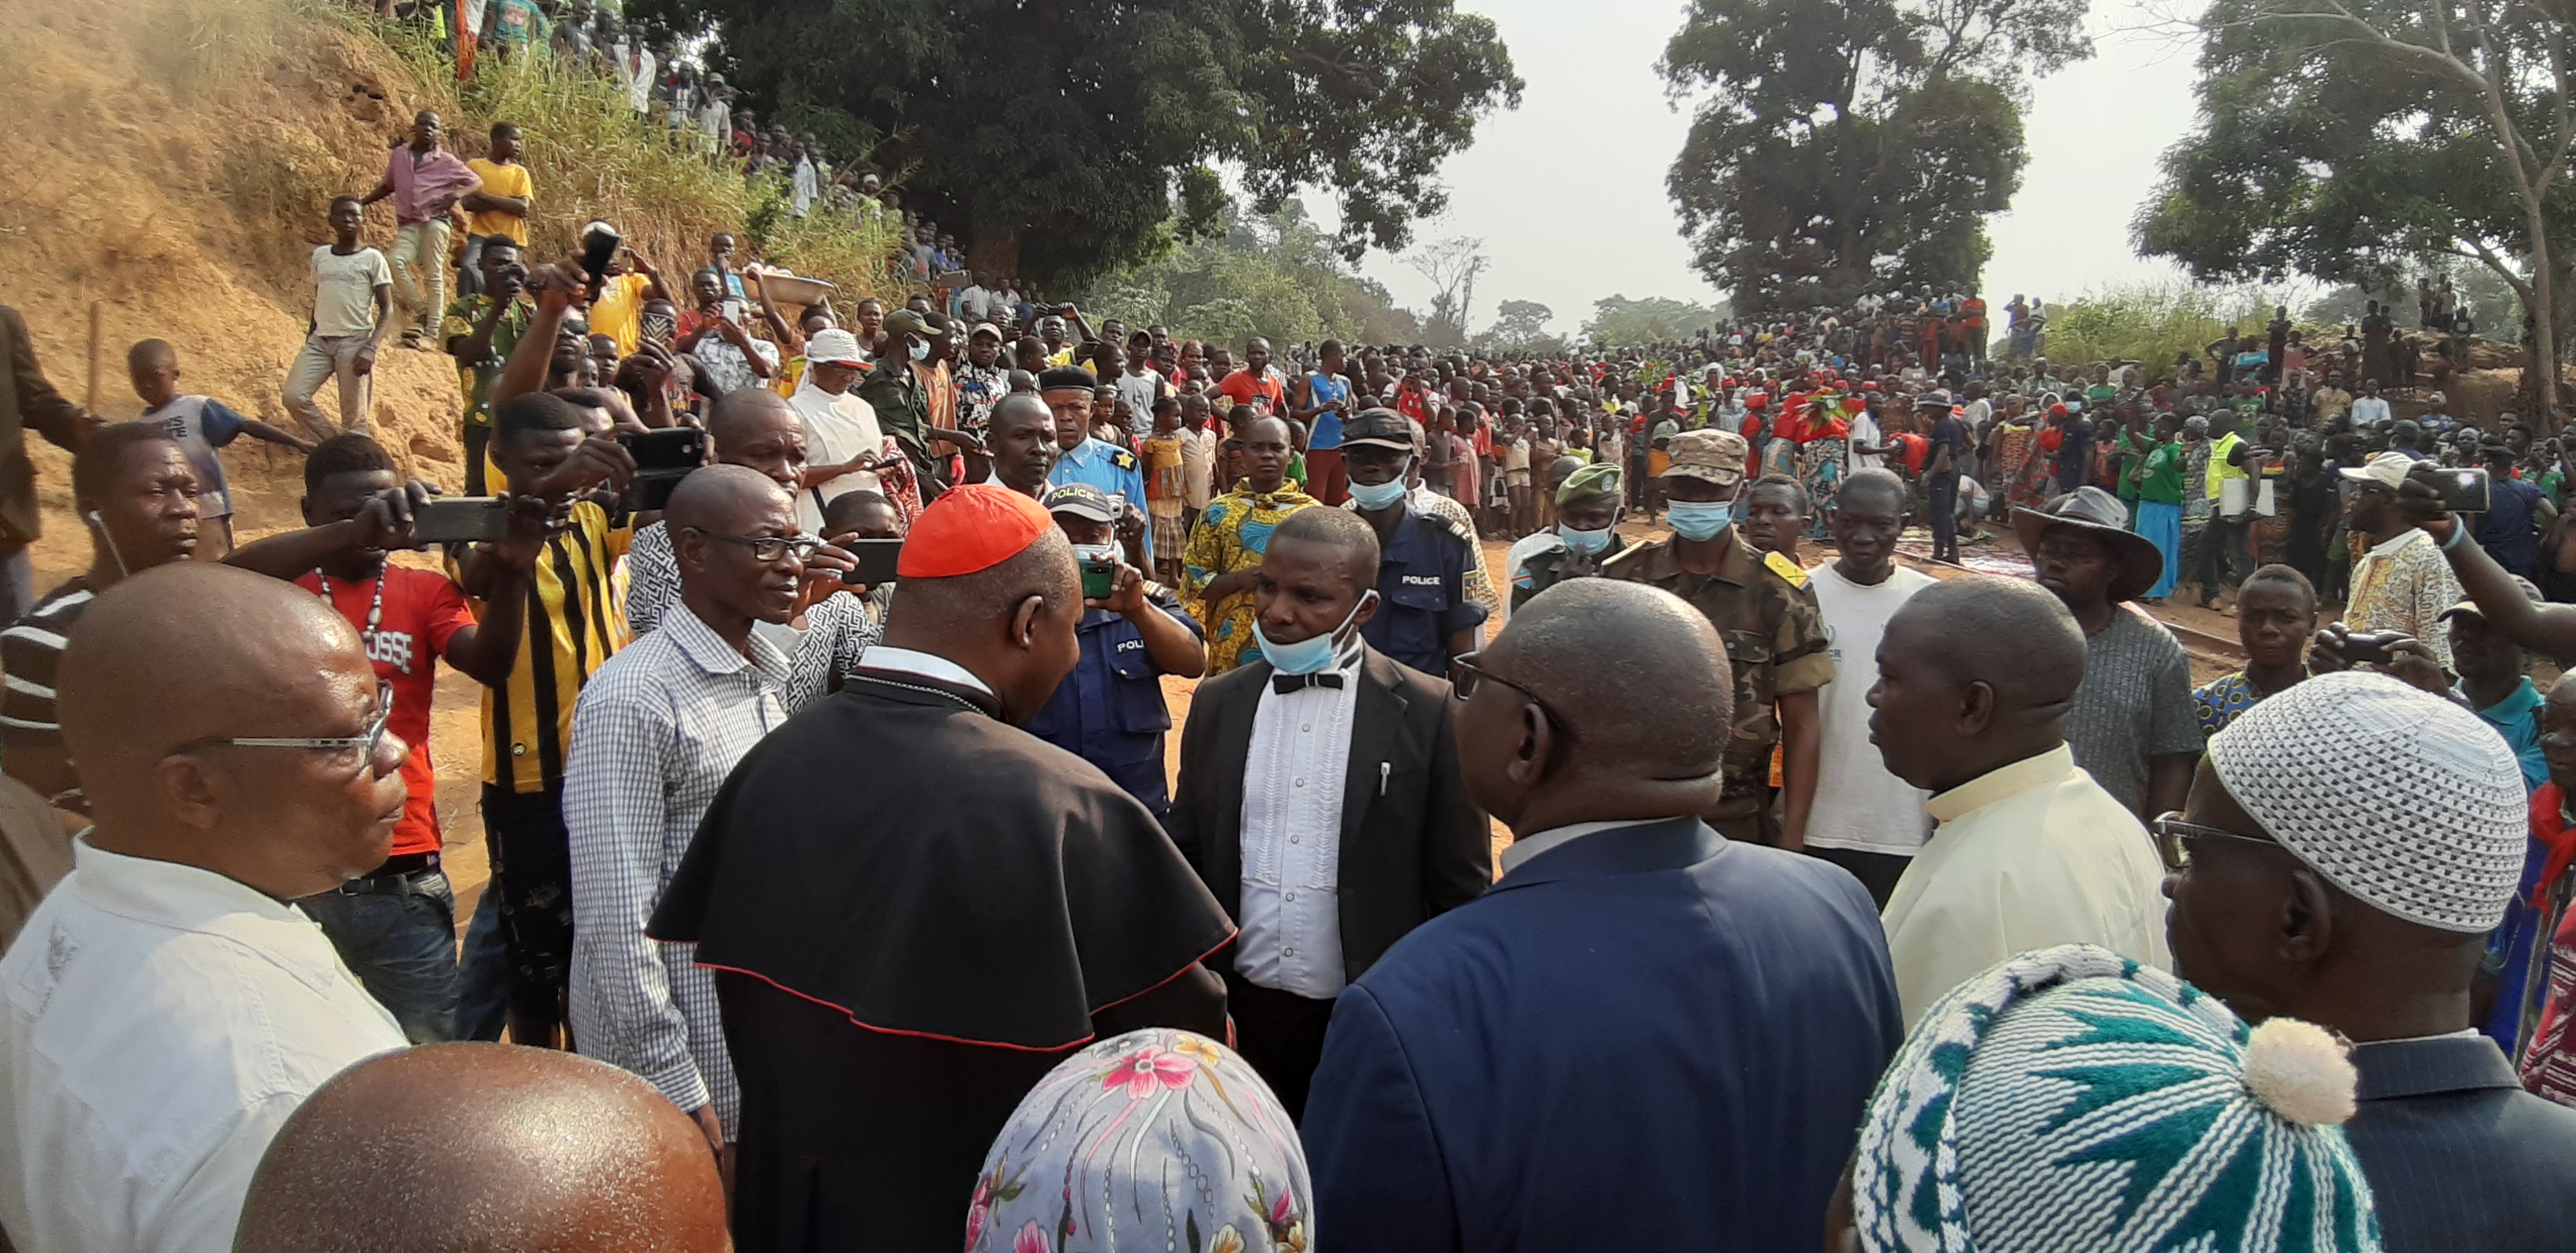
755	431
658	729
485	1148
1975	677
166	1007
1742	992
914	908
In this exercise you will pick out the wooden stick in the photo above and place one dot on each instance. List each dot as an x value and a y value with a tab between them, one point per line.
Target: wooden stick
93	356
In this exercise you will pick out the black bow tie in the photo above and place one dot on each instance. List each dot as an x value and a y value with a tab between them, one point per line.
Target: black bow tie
1286	683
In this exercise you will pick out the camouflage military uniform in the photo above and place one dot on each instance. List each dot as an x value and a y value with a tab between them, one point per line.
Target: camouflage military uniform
1542	570
1775	643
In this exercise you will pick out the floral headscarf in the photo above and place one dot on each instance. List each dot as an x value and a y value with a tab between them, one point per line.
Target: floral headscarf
1159	1139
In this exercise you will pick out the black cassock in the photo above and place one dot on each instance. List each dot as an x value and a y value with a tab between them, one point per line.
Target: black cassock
915	911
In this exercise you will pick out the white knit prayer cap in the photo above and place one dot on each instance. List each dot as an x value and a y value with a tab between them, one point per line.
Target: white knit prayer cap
2399	797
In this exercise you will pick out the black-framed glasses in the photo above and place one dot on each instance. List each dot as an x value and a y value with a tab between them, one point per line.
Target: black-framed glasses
364	744
767	548
2173	838
1465	674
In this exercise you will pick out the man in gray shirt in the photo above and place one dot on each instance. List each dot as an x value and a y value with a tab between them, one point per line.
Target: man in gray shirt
2131	725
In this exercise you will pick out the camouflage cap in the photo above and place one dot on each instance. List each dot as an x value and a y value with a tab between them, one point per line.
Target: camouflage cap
1714	455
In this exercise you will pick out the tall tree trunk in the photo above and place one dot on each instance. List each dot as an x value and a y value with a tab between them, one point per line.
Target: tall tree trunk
2545	285
993	251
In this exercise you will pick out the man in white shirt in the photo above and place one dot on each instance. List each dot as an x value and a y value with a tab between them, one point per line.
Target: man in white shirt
976	302
353	293
1319	798
842	439
1975	677
1865	820
2369	407
165	1009
1198	458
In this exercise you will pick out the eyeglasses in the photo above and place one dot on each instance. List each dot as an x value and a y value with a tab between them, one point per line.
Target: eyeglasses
767	548
2172	836
364	745
1465	674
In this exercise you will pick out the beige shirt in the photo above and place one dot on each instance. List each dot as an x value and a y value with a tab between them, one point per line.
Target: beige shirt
2027	857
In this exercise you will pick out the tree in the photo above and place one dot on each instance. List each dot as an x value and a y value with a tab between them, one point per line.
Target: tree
1619	322
2345	139
1276	276
1452	266
1060	140
1853	145
1521	326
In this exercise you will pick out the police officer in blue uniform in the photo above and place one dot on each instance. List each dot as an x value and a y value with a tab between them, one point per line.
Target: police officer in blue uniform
1110	710
1424	616
1117	472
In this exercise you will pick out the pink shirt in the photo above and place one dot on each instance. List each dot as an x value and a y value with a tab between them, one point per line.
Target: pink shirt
421	180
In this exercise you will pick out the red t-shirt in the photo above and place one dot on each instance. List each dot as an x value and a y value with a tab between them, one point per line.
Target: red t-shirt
423	610
1267	396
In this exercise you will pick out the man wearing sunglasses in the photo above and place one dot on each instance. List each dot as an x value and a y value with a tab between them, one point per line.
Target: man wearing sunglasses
2348	846
168	1006
1319	796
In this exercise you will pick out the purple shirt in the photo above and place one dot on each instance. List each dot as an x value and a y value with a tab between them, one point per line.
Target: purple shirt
419	184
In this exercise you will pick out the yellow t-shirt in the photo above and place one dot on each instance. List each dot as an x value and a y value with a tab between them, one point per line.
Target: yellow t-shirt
501	180
619	311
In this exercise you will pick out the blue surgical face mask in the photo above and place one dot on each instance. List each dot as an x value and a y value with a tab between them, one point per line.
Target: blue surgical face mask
1699	519
1584	542
920	351
1314	653
1374	496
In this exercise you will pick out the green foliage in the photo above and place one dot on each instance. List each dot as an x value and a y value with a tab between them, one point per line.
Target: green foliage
1619	322
591	158
1851	145
2149	324
1050	137
1521	326
1275	276
2322	152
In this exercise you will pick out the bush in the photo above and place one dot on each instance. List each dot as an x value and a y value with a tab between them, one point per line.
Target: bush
2149	324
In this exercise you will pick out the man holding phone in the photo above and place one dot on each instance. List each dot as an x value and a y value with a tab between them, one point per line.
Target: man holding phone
1110	711
2401	583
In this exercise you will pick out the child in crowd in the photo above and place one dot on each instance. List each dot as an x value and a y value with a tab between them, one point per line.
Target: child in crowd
200	425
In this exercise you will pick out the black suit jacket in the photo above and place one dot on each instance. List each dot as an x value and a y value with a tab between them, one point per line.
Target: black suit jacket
1407	855
28	401
2458	1156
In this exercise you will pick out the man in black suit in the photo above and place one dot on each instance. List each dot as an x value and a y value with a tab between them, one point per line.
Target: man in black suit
1319	798
27	401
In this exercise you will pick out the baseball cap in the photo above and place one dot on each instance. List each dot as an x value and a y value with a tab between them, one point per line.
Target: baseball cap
1378	428
1082	500
2388	469
1711	455
905	321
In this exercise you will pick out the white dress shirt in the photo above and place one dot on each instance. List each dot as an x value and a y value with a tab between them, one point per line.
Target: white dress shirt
2029	856
1292	838
927	665
162	1023
657	730
837	428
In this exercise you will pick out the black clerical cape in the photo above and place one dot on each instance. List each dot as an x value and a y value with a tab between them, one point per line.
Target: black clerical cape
915	911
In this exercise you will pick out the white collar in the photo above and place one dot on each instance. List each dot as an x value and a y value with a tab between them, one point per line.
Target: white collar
2398	541
927	665
1525	847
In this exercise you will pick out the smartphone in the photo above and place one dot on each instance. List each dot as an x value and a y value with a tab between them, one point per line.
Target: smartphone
660	327
2463	489
662	459
2369	647
460	520
1098	578
876	561
599	245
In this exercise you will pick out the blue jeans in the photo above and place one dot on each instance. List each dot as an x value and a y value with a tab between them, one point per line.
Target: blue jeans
1941	494
483	975
397	932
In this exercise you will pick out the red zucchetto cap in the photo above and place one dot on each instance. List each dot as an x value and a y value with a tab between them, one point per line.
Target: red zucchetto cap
976	527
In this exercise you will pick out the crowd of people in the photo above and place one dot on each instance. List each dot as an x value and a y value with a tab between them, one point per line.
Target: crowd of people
834	822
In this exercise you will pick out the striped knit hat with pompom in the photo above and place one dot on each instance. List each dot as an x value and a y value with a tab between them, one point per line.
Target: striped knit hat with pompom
2073	1099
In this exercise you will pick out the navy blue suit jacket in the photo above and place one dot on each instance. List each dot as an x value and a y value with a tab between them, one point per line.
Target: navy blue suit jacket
2460	1159
1644	1038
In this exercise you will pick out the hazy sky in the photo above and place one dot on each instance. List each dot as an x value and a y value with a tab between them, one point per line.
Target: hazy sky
1568	190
